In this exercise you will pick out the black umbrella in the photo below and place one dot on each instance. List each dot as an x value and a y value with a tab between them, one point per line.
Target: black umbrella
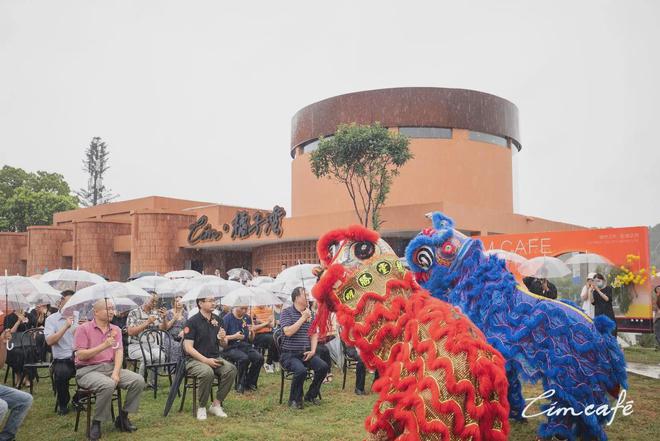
179	375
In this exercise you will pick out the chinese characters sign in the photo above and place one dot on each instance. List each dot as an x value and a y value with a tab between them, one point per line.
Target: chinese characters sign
242	226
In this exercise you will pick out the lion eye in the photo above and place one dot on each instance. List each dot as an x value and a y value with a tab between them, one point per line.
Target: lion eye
364	250
424	257
448	249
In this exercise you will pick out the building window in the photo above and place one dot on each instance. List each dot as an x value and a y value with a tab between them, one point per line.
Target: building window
491	139
313	145
426	132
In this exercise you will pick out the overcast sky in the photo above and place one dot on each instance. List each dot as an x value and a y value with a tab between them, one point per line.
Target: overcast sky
195	98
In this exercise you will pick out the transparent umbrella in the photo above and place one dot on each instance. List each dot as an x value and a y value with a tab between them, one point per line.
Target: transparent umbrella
16	290
151	283
240	274
183	274
544	267
589	259
179	287
260	280
297	275
68	279
509	256
214	290
250	296
83	301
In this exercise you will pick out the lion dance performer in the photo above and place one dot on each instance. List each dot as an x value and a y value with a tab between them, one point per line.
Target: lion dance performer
439	379
541	339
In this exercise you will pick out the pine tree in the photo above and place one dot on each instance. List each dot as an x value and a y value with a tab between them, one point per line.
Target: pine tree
96	164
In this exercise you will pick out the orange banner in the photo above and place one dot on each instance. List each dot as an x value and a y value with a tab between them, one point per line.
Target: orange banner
625	247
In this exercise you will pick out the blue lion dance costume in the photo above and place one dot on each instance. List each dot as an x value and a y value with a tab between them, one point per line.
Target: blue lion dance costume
541	339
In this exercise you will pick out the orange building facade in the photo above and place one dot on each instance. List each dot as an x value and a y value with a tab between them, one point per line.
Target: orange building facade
463	144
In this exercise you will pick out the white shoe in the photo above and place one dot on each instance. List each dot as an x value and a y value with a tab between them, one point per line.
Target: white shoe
269	368
276	365
201	413
217	411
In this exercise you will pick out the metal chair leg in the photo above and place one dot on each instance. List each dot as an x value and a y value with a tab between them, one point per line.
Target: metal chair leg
281	385
194	397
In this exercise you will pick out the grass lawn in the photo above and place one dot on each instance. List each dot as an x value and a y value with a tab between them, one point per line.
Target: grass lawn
340	417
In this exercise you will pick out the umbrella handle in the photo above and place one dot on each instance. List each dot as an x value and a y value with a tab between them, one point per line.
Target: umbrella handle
10	346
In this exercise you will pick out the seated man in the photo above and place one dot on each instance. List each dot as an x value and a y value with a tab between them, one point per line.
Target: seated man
99	355
202	338
58	331
14	401
263	324
239	350
298	350
138	321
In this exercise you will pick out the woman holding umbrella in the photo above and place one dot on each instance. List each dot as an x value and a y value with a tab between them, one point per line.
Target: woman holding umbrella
19	322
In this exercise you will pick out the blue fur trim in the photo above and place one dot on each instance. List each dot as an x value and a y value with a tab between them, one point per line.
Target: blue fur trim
541	339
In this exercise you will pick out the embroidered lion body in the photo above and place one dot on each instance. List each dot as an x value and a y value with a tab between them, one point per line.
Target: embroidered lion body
438	377
542	339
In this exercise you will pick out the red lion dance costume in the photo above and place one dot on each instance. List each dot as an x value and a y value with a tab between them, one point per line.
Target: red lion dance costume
439	379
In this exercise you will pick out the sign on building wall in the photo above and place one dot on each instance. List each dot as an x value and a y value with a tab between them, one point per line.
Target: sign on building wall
626	248
242	226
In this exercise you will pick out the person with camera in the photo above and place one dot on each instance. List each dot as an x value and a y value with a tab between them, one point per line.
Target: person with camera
600	295
139	320
203	337
298	350
541	286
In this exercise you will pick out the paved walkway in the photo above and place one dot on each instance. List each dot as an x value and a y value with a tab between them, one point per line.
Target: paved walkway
647	370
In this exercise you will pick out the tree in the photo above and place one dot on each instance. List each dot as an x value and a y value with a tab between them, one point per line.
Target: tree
96	164
365	159
32	198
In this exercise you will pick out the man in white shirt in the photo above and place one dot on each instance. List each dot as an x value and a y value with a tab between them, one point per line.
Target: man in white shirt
59	331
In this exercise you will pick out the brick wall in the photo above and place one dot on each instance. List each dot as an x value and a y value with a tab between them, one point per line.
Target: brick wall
270	257
45	248
222	260
10	253
93	247
154	244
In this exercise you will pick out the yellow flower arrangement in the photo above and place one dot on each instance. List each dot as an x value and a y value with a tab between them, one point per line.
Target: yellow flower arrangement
628	275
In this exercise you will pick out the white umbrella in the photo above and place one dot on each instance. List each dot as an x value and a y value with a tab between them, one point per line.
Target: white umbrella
212	290
44	299
277	288
83	300
509	256
589	259
123	304
183	274
260	280
240	274
179	287
544	267
151	283
63	279
298	275
16	289
250	296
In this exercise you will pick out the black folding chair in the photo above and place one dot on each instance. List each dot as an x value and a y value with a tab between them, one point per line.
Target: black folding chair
349	363
161	366
33	343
